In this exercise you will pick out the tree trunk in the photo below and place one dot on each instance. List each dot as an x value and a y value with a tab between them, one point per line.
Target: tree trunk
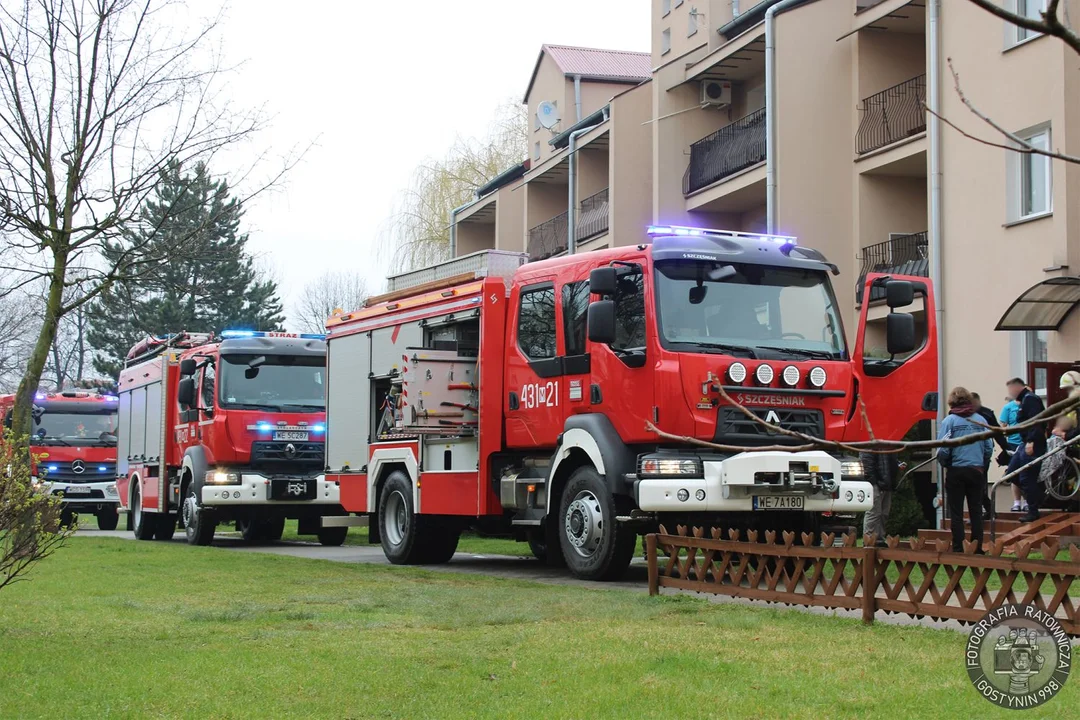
21	421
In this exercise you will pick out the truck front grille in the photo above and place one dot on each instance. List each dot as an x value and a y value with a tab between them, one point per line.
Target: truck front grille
288	457
734	428
65	471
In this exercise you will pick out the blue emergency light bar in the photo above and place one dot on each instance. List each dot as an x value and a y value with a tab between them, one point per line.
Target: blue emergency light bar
227	334
684	231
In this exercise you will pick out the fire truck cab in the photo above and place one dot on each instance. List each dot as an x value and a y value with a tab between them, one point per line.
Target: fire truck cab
227	429
524	398
73	451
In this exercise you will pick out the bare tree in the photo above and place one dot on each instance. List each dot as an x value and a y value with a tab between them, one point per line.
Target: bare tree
321	297
418	233
1052	21
97	98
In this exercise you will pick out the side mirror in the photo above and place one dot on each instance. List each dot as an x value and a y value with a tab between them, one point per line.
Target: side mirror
185	393
601	321
188	367
899	293
900	333
602	281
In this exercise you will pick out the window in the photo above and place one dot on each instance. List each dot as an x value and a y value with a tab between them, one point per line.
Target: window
665	42
536	323
208	386
1031	177
1025	8
536	150
1035	351
575	299
286	383
665	7
678	3
630	311
692	28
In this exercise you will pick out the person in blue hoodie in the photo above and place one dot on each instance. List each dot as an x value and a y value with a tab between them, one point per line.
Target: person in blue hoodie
963	464
1008	416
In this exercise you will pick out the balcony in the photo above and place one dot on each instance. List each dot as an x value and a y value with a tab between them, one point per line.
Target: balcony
727	151
549	238
892	115
901	255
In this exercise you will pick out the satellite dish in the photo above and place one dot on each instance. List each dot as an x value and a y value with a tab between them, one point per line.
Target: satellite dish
547	114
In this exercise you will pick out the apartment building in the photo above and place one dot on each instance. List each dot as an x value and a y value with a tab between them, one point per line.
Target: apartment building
680	135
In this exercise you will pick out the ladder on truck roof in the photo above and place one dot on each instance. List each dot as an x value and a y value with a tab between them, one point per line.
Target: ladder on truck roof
485	263
153	346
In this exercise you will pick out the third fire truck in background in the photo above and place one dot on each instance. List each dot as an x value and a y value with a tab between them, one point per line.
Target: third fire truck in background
520	398
73	451
226	429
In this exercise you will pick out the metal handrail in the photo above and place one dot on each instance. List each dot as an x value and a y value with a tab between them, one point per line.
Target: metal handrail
1014	473
892	114
732	148
903	255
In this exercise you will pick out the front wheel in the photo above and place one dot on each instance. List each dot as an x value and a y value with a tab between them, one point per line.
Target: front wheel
108	519
199	522
401	541
332	536
141	522
594	545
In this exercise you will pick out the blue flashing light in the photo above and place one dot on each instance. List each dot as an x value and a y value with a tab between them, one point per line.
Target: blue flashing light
102	468
318	427
111	398
53	468
227	334
683	231
263	426
39	396
238	333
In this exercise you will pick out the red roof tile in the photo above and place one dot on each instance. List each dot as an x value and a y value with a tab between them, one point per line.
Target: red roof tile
593	64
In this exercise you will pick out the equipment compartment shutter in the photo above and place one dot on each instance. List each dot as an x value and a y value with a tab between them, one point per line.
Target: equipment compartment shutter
153	421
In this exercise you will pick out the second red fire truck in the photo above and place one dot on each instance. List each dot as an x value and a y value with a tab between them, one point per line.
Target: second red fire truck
507	397
226	429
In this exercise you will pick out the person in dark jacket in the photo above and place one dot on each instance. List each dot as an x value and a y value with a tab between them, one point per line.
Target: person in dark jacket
964	476
882	472
1034	446
988	418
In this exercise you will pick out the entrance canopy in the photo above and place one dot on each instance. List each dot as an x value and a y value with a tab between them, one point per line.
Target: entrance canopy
1042	307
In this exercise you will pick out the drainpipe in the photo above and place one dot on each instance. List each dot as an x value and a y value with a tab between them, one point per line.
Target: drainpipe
933	101
571	213
770	110
577	98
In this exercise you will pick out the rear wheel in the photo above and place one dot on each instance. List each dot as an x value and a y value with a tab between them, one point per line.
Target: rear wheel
199	522
401	541
1065	483
166	527
142	523
108	519
594	545
256	528
440	544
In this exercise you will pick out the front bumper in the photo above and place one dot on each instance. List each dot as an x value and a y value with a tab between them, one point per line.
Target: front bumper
95	494
730	485
255	489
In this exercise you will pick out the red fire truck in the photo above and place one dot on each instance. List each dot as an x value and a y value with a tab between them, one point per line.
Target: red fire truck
492	394
226	429
73	450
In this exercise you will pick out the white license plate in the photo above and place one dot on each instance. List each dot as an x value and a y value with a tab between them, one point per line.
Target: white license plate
779	502
74	490
291	435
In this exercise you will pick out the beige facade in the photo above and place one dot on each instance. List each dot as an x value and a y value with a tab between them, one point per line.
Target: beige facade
852	156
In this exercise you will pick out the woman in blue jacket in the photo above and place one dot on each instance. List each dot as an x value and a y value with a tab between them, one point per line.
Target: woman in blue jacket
964	476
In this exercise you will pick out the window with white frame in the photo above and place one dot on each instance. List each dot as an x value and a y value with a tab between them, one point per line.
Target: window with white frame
1035	350
1030	176
678	3
665	7
1025	8
665	42
536	150
692	28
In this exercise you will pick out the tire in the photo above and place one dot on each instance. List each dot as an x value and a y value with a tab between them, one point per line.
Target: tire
440	544
199	522
68	519
594	545
541	540
166	528
143	523
274	528
538	544
331	536
398	524
252	528
108	520
1065	484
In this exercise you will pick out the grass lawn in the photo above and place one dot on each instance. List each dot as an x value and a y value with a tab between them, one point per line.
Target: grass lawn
113	628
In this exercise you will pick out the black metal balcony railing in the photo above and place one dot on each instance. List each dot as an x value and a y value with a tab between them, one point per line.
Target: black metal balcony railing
550	238
892	115
902	255
592	218
726	152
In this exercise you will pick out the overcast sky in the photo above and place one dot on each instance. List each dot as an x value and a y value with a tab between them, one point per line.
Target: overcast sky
381	86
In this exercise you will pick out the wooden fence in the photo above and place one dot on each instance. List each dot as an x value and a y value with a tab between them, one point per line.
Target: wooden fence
918	578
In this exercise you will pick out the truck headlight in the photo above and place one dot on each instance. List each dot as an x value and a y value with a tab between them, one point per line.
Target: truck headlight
658	466
851	467
110	489
223	477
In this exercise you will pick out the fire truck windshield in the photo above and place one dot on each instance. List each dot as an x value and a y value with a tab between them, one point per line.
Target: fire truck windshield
286	383
60	428
745	309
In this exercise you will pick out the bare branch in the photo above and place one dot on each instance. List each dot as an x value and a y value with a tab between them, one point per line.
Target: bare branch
1049	25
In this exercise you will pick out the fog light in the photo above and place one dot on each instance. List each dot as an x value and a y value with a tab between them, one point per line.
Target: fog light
236	494
700	495
848	496
111	490
684	495
862	496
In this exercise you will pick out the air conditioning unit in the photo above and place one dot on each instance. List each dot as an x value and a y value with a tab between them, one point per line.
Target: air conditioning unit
715	93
